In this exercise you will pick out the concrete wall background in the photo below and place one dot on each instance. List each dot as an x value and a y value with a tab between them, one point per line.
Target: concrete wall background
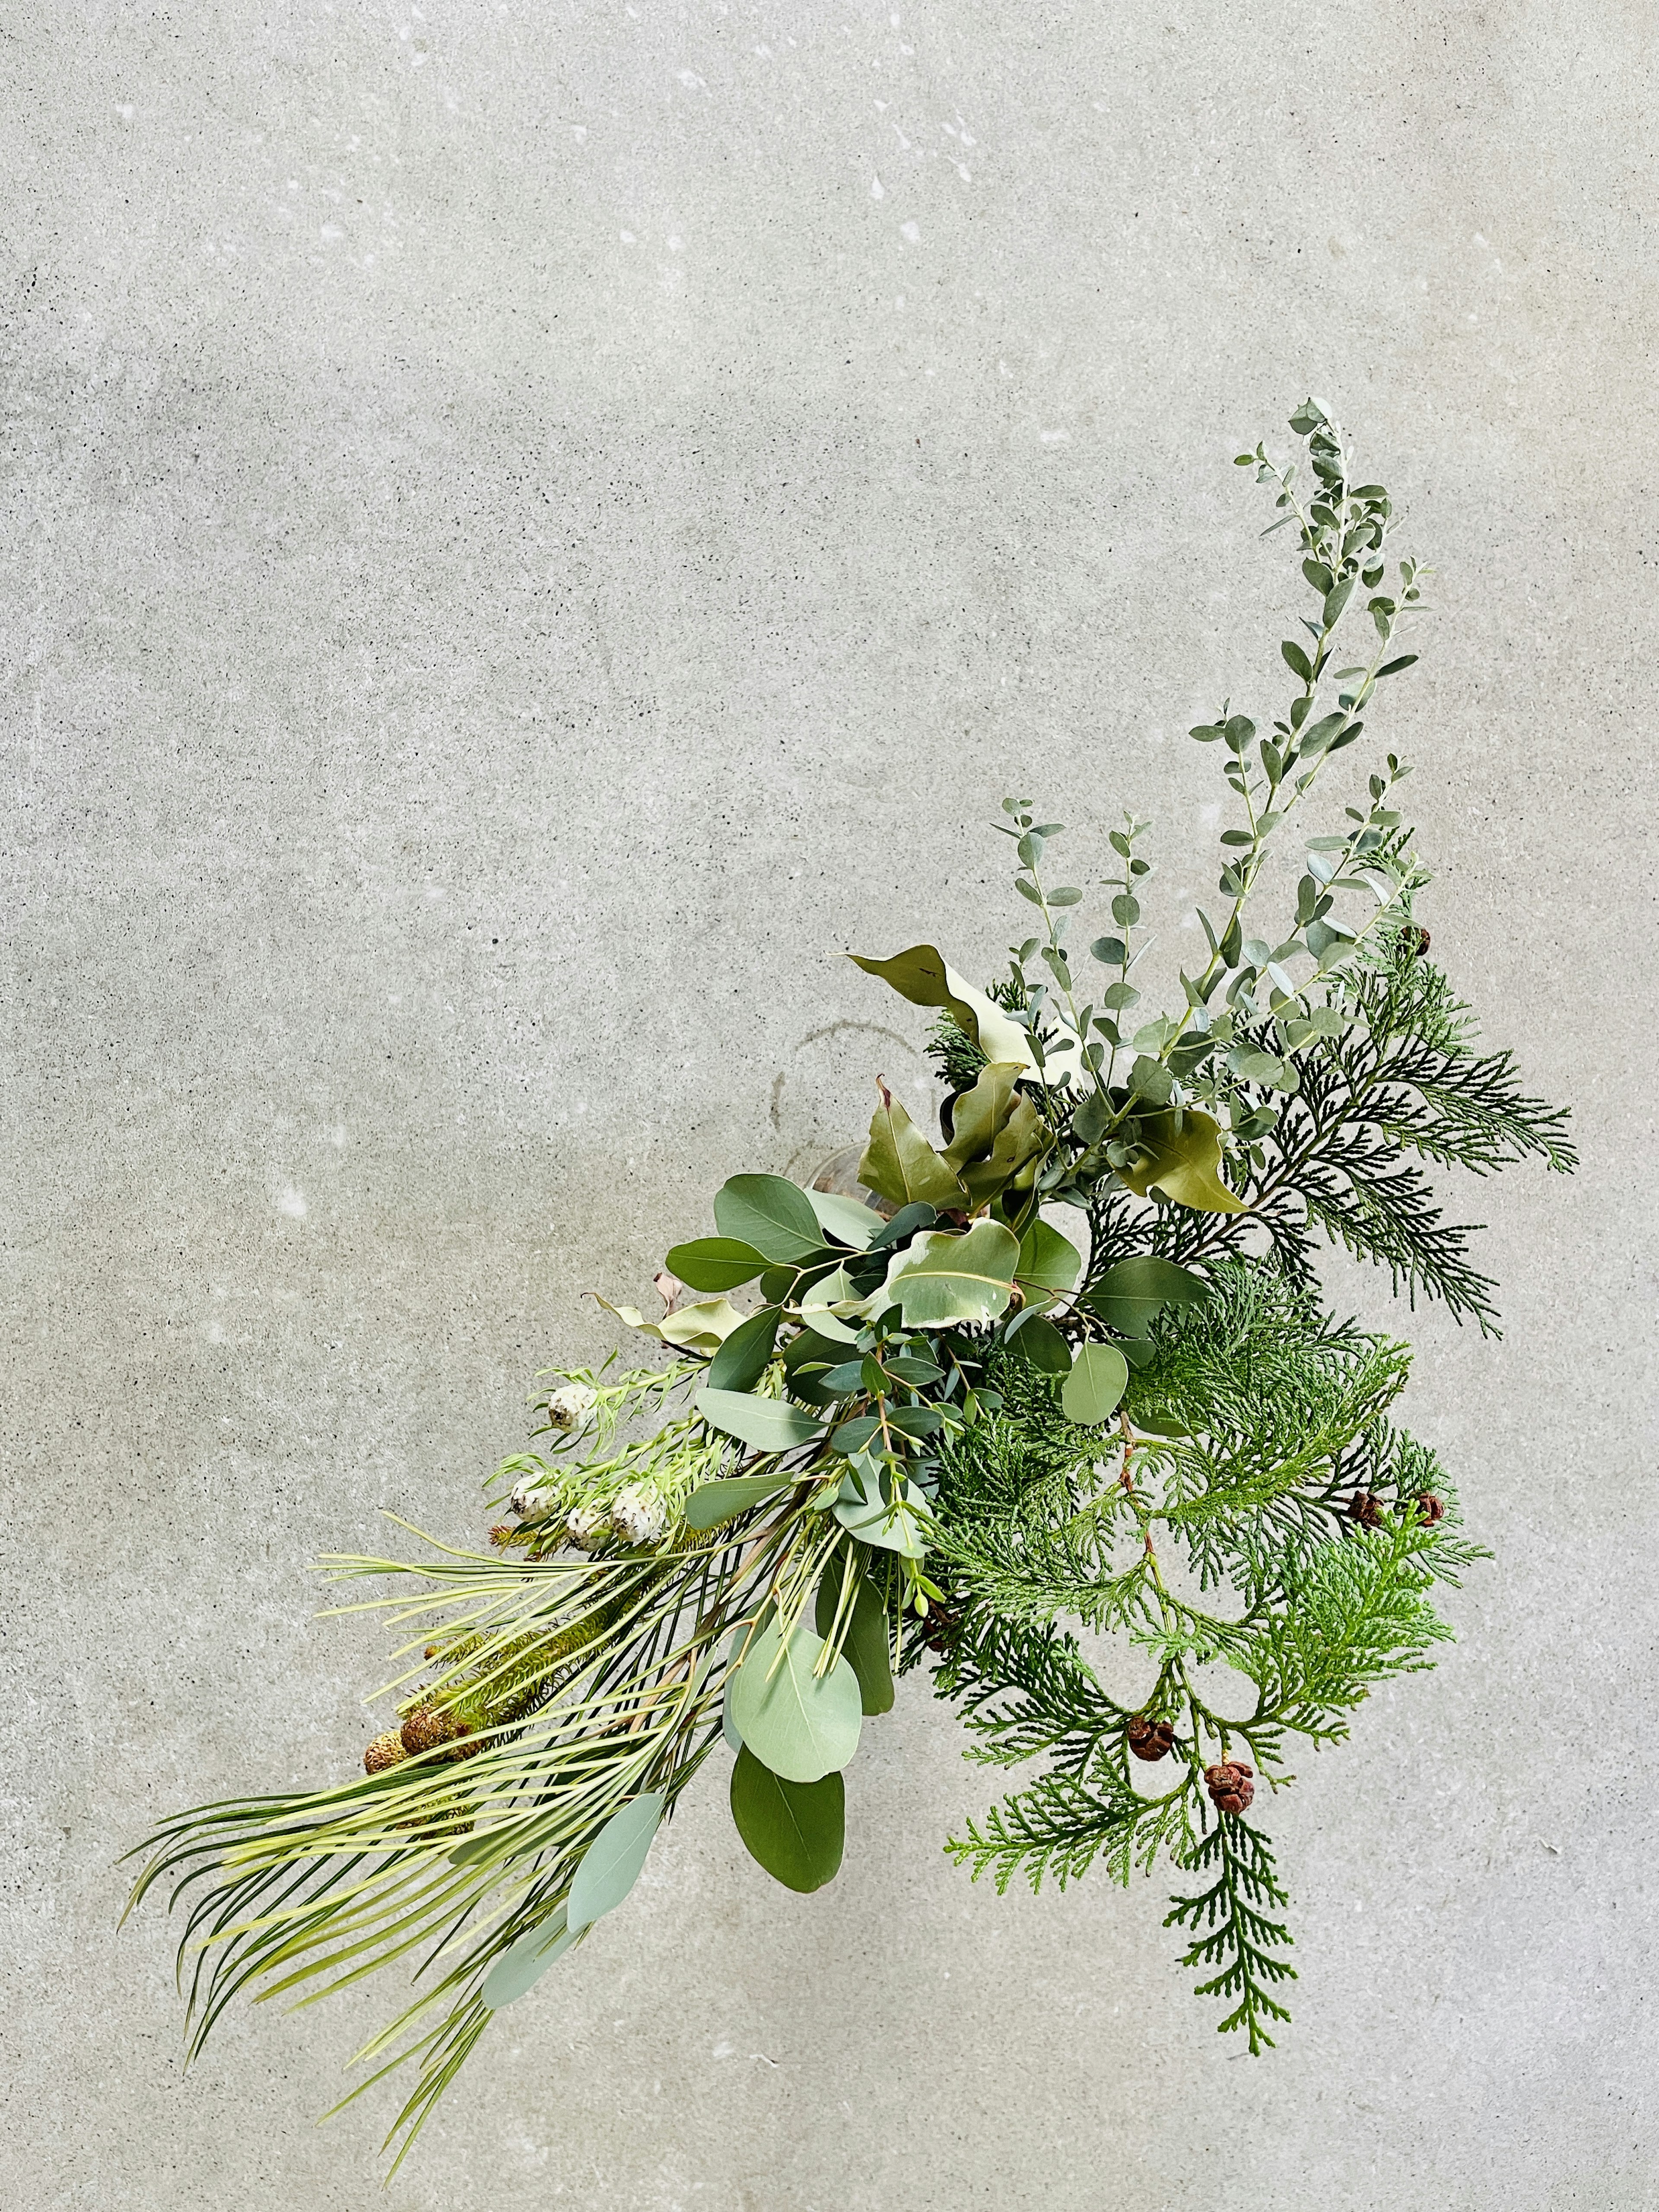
528	529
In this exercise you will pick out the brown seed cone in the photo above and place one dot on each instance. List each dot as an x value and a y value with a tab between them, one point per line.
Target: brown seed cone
434	1831
1430	1508
1229	1785
939	1628
425	1731
385	1751
1419	940
1150	1738
1366	1509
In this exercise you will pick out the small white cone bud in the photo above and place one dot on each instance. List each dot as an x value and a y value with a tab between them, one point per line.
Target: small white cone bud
586	1524
638	1517
571	1407
531	1504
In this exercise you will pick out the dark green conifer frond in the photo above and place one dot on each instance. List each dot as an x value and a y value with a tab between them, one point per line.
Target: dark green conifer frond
1355	1614
1240	1938
1058	1830
1403	1083
1025	1692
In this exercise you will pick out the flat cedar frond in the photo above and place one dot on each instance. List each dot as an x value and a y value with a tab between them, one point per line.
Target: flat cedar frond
1358	1615
1269	1389
1403	1081
1239	1938
1062	1826
1025	1692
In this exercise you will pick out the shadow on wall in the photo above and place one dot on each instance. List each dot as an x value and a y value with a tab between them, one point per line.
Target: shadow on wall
823	1096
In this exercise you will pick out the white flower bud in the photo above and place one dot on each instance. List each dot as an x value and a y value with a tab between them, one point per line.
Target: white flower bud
571	1407
586	1524
638	1516
529	1503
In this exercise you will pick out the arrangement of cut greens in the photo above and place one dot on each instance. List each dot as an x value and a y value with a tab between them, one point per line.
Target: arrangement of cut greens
1066	1369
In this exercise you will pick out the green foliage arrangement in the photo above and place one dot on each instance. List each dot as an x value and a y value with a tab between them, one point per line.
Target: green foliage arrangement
944	1430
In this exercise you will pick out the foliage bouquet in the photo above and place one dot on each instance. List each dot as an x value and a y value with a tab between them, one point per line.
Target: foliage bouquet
1067	1371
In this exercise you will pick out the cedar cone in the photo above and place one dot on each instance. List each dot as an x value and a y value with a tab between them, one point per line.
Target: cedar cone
1229	1785
939	1628
1430	1508
385	1751
1366	1509
1419	940
1150	1738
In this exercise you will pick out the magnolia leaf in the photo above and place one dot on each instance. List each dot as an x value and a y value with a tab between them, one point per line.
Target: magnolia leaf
801	1724
865	1643
1099	1377
1021	1142
995	1130
701	1328
715	1263
711	1503
1049	1264
746	1353
1183	1162
847	1219
613	1861
1129	1295
940	1277
900	1166
766	1424
772	1214
526	1961
920	976
863	1512
796	1829
976	1116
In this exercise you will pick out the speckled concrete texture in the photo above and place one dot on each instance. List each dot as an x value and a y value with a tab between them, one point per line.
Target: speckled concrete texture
527	531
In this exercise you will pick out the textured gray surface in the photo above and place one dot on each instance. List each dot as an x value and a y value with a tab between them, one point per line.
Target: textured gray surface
528	529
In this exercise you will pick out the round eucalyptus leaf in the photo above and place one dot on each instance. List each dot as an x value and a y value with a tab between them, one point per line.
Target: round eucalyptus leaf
795	1830
866	1642
1042	1343
897	1527
1091	1392
612	1862
801	1724
714	1502
526	1961
770	1213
